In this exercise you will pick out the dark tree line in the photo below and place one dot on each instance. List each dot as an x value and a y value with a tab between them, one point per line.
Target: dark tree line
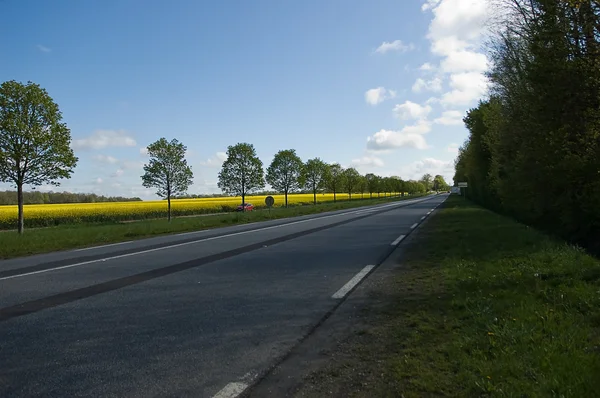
38	198
534	146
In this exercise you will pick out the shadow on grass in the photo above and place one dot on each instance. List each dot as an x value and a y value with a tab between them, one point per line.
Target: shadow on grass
482	306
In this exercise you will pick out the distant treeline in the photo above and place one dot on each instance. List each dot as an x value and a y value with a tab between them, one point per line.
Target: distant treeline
36	197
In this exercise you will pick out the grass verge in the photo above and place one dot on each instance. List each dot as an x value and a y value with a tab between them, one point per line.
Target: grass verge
482	306
44	240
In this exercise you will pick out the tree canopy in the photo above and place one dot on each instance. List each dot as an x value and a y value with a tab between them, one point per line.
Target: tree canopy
314	176
242	171
283	174
34	143
167	170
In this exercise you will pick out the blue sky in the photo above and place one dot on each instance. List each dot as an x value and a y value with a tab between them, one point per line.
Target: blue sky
378	85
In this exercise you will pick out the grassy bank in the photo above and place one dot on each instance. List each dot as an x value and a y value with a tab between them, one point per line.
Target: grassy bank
64	237
481	306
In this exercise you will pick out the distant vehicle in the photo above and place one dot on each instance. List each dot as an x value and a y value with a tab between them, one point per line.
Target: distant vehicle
245	207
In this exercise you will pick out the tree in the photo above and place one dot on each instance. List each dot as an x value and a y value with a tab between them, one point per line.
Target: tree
396	184
34	143
427	181
314	175
351	179
335	178
242	172
167	170
362	186
372	183
439	184
283	174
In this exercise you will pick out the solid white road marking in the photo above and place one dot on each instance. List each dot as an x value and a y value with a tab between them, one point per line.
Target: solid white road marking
352	282
231	390
99	247
414	226
194	242
394	243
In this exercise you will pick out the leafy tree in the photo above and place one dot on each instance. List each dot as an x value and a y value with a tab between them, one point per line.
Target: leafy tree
167	170
439	184
396	183
427	181
372	183
283	174
314	175
34	143
351	179
362	186
335	179
242	172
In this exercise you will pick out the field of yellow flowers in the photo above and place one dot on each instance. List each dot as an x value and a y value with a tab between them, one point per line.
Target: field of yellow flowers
73	213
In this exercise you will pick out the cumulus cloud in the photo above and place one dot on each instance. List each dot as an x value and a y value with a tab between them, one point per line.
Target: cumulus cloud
396	45
101	139
385	140
105	159
368	161
215	161
434	84
465	89
426	67
410	110
450	118
429	165
377	95
464	61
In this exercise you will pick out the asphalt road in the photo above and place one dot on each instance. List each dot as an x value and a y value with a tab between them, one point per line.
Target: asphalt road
199	314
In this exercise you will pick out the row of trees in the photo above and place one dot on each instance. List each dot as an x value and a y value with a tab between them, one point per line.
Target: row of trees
242	174
35	149
39	198
534	145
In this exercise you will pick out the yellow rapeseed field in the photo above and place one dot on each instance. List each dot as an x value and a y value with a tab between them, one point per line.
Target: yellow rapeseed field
72	213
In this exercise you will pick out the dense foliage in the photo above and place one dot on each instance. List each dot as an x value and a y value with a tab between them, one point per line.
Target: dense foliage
40	198
534	145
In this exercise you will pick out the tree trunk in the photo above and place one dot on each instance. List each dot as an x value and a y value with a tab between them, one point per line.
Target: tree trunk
314	195
243	202
334	195
169	207
349	196
20	223
286	193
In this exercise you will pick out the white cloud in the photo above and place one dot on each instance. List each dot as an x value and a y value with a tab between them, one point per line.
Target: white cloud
450	118
132	165
411	110
453	148
385	140
422	127
464	61
44	49
117	173
98	181
429	4
432	166
105	159
426	67
396	45
101	139
368	161
434	84
466	88
216	160
377	95
144	151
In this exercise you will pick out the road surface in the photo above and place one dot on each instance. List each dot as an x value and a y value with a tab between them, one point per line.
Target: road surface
201	314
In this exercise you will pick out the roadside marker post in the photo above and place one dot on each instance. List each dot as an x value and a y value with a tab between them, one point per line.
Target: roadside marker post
269	201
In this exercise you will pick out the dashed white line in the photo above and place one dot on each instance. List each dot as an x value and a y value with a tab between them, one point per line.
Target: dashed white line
352	282
195	241
231	390
414	226
422	218
394	243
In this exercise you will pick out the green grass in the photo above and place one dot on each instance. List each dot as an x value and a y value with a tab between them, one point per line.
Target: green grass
507	311
43	240
481	306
